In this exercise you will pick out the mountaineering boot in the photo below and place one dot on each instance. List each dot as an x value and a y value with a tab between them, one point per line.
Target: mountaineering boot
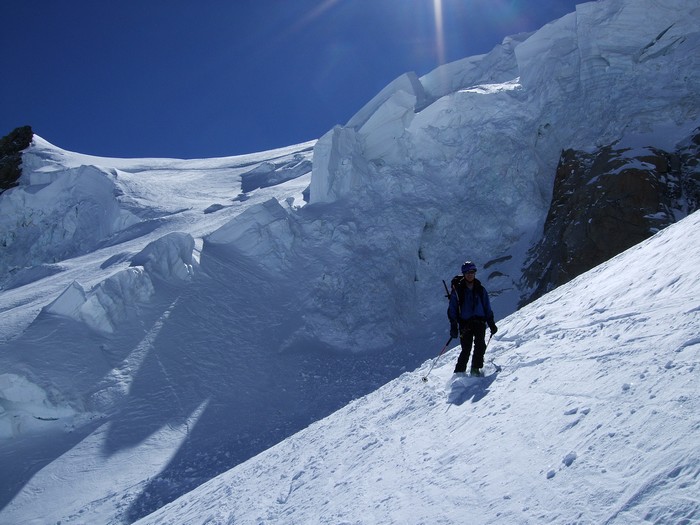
475	372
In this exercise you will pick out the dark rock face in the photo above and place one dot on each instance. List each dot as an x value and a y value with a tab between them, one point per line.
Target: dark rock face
689	156
11	147
606	202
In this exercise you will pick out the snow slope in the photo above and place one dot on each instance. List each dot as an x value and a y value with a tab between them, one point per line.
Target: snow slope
591	416
165	320
114	354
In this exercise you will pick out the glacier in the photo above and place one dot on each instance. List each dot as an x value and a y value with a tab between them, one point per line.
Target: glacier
207	309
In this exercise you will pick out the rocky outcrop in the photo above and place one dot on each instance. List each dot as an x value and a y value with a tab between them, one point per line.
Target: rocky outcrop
689	156
607	201
11	147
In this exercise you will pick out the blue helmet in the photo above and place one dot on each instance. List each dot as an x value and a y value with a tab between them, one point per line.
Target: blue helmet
468	267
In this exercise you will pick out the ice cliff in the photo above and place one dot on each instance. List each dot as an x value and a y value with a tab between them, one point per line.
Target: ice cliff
313	273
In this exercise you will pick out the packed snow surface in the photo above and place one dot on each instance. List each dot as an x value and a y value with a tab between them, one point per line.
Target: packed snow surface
164	321
589	413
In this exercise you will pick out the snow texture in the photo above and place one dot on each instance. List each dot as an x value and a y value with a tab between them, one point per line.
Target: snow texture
590	417
174	332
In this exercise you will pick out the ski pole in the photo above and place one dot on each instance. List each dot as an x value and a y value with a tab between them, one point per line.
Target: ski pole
425	377
487	343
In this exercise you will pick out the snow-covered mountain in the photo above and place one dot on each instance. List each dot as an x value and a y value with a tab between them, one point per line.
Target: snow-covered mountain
166	320
589	413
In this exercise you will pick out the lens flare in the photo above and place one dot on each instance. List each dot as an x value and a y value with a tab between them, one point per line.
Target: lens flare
439	31
317	11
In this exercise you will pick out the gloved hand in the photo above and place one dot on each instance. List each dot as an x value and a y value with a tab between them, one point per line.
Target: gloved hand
493	327
454	331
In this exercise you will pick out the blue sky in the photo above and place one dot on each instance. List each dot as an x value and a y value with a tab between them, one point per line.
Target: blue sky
184	79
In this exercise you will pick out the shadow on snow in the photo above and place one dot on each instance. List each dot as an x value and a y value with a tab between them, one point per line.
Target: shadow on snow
475	388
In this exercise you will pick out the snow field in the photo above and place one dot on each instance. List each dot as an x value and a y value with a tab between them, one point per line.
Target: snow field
591	419
147	336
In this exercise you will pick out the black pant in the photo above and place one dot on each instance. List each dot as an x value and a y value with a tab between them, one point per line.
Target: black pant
471	331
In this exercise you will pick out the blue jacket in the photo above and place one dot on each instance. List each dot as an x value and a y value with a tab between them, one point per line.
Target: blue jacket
469	304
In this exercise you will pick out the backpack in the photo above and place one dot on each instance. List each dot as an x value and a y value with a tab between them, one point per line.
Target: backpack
459	284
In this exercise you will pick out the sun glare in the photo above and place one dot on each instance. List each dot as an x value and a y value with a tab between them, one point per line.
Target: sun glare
439	33
318	11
